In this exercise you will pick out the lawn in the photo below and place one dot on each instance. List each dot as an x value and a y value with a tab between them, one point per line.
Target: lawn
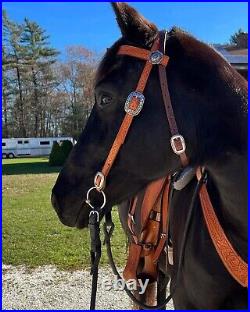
32	233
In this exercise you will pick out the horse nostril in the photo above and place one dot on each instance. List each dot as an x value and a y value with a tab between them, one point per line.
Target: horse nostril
54	202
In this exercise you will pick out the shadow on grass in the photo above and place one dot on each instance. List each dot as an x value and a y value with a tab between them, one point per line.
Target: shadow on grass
28	168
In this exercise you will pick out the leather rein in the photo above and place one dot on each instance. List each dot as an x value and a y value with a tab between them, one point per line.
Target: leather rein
152	239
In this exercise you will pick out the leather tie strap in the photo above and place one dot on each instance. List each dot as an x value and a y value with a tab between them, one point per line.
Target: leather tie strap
170	116
164	220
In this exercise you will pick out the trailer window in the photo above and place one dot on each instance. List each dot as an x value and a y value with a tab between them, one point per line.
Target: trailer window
44	143
26	142
19	142
3	144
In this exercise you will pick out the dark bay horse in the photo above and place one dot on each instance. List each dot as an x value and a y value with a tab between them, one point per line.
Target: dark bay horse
210	103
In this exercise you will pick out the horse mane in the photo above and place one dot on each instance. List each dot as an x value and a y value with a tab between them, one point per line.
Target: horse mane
181	44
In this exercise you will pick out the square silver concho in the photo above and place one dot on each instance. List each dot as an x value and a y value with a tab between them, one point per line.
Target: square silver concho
140	97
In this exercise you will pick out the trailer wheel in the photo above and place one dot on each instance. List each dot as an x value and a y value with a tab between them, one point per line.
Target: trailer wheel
4	156
11	155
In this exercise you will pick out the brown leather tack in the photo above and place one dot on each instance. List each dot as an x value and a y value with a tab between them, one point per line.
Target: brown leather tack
149	269
153	233
152	238
140	53
130	271
152	193
122	133
235	265
169	110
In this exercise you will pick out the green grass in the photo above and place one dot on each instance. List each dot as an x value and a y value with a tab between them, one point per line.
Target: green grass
32	233
27	166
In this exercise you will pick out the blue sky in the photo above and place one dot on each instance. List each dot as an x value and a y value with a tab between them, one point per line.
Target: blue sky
93	24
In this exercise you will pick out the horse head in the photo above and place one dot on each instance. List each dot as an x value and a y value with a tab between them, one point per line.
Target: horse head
198	80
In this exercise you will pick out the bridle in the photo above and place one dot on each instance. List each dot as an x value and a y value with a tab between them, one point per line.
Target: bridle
133	106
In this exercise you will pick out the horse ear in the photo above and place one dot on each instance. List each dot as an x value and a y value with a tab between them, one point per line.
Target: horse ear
133	25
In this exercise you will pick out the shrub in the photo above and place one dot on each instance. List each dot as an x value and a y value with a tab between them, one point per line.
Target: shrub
66	147
56	157
60	153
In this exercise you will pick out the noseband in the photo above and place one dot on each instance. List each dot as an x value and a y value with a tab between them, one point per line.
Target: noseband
133	106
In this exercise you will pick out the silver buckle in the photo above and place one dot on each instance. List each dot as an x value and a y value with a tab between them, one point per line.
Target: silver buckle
156	57
97	214
137	95
101	185
173	144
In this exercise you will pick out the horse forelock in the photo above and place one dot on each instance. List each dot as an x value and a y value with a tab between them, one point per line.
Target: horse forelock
108	62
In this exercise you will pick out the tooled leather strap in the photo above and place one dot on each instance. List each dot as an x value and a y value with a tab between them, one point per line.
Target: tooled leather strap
133	106
139	53
235	265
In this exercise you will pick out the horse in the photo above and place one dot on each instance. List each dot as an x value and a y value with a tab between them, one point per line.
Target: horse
209	98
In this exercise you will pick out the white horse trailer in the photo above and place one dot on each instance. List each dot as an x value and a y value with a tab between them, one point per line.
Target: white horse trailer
29	146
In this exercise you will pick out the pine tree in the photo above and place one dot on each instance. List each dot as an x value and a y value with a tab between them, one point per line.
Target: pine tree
13	60
42	97
5	96
38	57
240	39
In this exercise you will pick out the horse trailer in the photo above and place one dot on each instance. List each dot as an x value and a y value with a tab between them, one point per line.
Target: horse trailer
15	147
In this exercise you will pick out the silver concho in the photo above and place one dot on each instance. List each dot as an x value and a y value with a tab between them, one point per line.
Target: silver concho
156	57
140	97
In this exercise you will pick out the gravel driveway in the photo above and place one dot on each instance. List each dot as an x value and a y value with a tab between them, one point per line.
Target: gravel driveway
48	288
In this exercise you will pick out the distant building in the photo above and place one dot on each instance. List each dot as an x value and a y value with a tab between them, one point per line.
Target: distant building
16	147
237	57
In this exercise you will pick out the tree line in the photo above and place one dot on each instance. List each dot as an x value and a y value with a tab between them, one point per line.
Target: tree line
41	94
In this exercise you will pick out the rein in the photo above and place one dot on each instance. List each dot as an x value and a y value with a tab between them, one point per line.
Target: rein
152	239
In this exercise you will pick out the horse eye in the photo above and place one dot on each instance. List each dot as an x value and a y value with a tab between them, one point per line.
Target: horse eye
106	100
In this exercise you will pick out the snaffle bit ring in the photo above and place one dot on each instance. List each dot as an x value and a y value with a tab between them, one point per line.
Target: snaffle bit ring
100	192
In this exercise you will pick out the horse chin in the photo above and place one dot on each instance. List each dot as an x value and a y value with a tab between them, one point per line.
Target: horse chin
66	221
82	219
80	222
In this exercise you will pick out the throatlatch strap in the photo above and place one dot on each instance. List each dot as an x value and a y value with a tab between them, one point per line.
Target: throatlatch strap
167	103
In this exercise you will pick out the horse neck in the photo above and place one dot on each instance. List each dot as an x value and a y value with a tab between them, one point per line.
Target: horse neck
230	180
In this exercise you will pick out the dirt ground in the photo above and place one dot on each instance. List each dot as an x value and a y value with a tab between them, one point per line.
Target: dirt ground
48	288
